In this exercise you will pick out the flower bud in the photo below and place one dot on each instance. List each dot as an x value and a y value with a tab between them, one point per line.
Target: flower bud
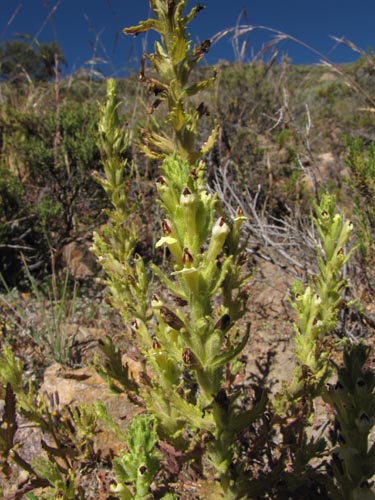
340	255
142	469
179	301
156	344
361	386
131	280
189	358
145	379
135	324
206	198
156	302
187	198
363	423
161	180
223	323
187	258
219	233
171	319
188	204
317	300
339	388
167	230
239	218
194	174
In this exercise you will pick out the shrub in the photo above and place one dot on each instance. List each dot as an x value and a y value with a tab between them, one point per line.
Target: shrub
53	151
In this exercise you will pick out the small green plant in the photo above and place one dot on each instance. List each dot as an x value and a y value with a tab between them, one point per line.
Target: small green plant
353	400
361	183
57	309
138	465
55	473
189	350
116	245
317	305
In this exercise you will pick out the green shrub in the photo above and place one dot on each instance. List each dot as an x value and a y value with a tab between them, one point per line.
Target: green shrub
55	153
360	160
12	210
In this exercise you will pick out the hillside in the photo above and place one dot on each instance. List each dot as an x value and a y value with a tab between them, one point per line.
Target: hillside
285	136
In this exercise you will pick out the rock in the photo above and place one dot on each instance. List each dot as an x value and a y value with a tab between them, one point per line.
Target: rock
85	386
320	171
328	76
326	159
79	260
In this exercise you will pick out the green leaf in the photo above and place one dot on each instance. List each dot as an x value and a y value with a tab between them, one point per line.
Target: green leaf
242	420
225	357
143	26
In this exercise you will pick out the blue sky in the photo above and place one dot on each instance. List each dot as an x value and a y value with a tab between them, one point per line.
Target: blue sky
87	28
